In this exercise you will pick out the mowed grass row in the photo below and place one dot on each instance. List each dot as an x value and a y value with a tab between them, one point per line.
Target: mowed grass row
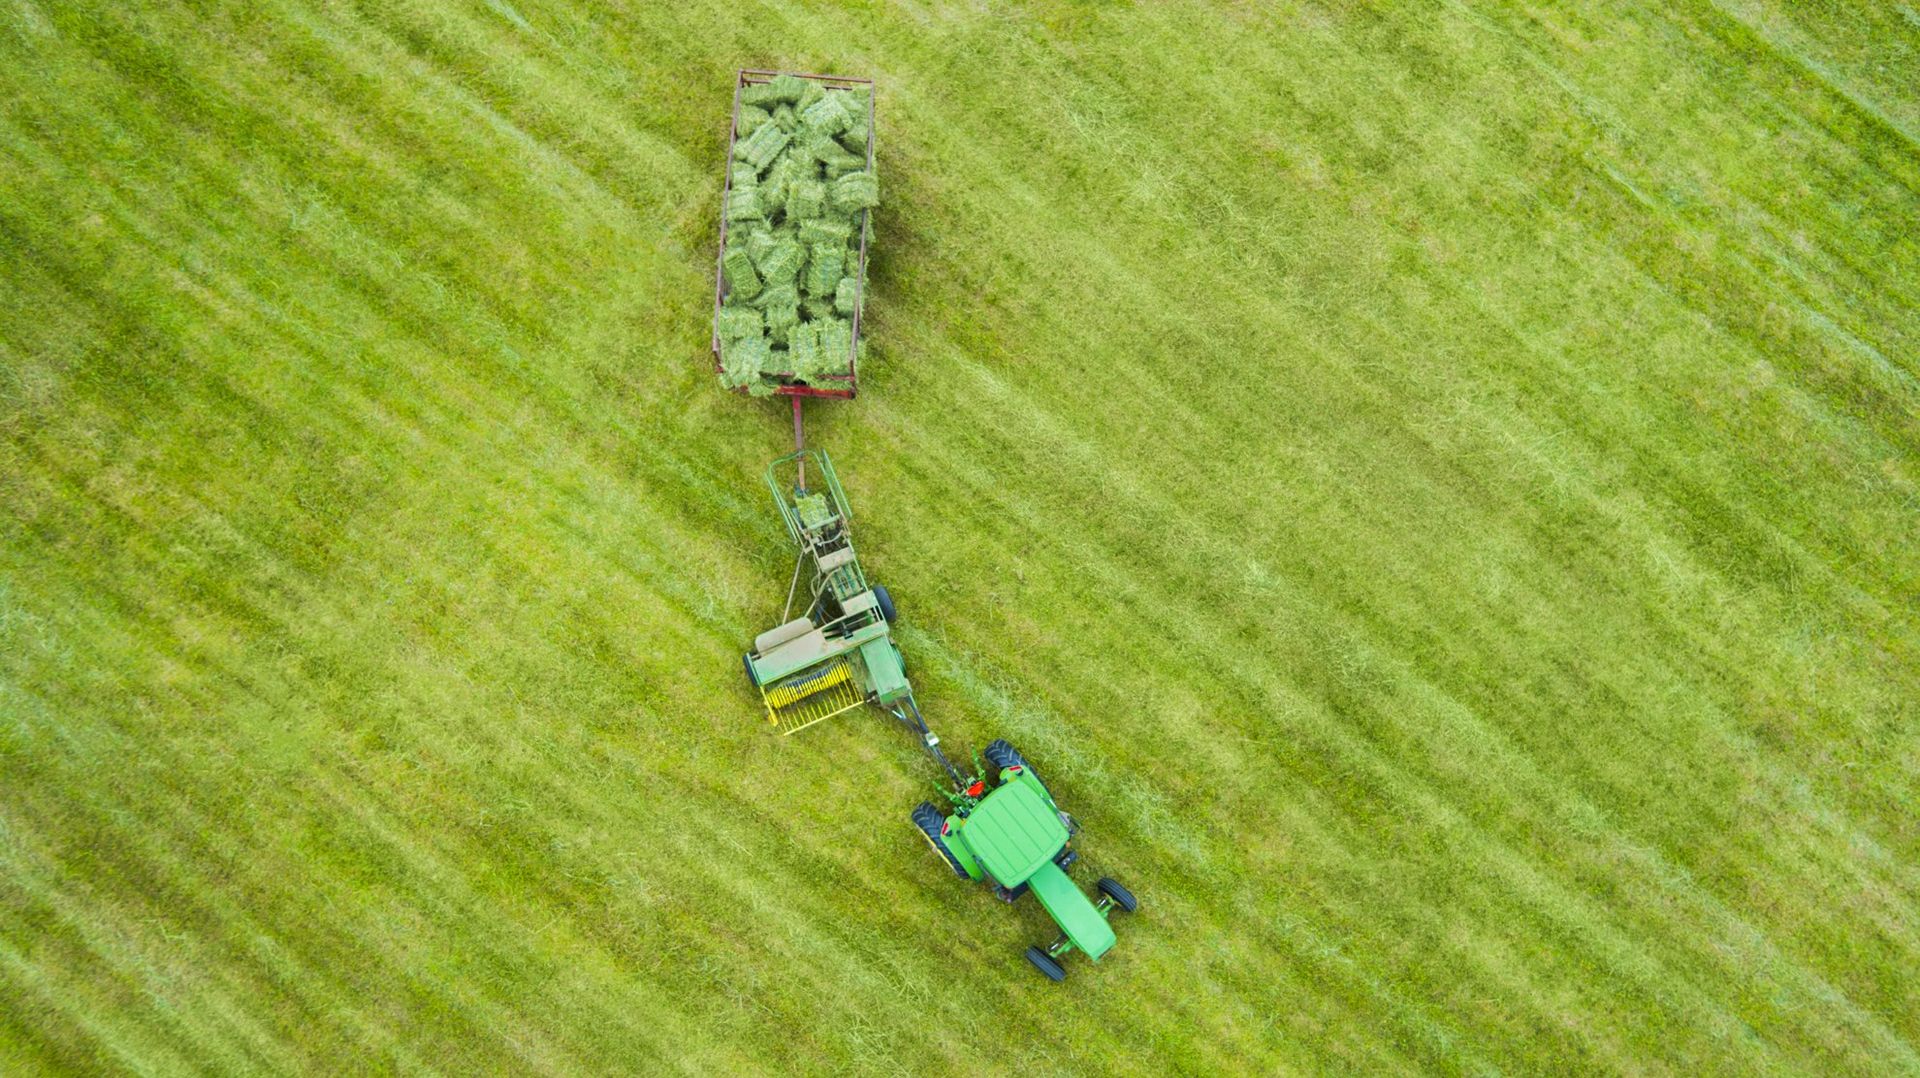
1433	491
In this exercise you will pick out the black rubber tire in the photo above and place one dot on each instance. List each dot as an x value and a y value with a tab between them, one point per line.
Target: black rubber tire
1003	755
1122	897
746	660
928	820
885	602
1046	964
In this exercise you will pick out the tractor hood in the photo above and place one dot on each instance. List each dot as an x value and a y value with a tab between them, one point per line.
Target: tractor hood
1014	831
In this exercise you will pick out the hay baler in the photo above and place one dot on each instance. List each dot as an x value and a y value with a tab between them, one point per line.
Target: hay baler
840	652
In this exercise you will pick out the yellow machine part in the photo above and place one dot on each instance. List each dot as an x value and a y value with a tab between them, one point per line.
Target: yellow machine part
798	703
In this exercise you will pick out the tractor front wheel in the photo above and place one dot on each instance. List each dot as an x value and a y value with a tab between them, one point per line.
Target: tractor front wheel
1046	964
1122	897
746	660
929	821
885	603
1003	755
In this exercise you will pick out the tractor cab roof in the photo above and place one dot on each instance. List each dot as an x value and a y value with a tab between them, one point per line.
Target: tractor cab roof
1014	831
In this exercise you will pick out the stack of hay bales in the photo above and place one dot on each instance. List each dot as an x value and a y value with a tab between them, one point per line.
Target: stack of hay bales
801	188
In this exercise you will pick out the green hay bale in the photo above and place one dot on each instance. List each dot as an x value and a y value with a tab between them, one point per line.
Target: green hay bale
814	147
743	360
811	93
741	233
836	162
825	262
836	344
806	199
780	89
834	159
790	169
826	116
813	510
743	204
742	281
846	295
803	349
738	321
824	351
760	244
782	317
854	138
816	308
855	191
751	118
760	148
776	295
782	262
791	88
854	135
786	119
826	229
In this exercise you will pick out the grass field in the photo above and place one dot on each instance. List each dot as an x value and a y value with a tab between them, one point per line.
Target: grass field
1437	491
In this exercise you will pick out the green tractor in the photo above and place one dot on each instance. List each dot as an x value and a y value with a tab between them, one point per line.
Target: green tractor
1017	840
840	654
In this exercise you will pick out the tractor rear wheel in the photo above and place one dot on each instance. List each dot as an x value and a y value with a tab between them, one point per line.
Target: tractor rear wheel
1122	897
929	821
885	603
1046	964
746	660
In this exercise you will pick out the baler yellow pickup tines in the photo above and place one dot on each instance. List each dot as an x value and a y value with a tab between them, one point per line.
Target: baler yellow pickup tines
821	694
